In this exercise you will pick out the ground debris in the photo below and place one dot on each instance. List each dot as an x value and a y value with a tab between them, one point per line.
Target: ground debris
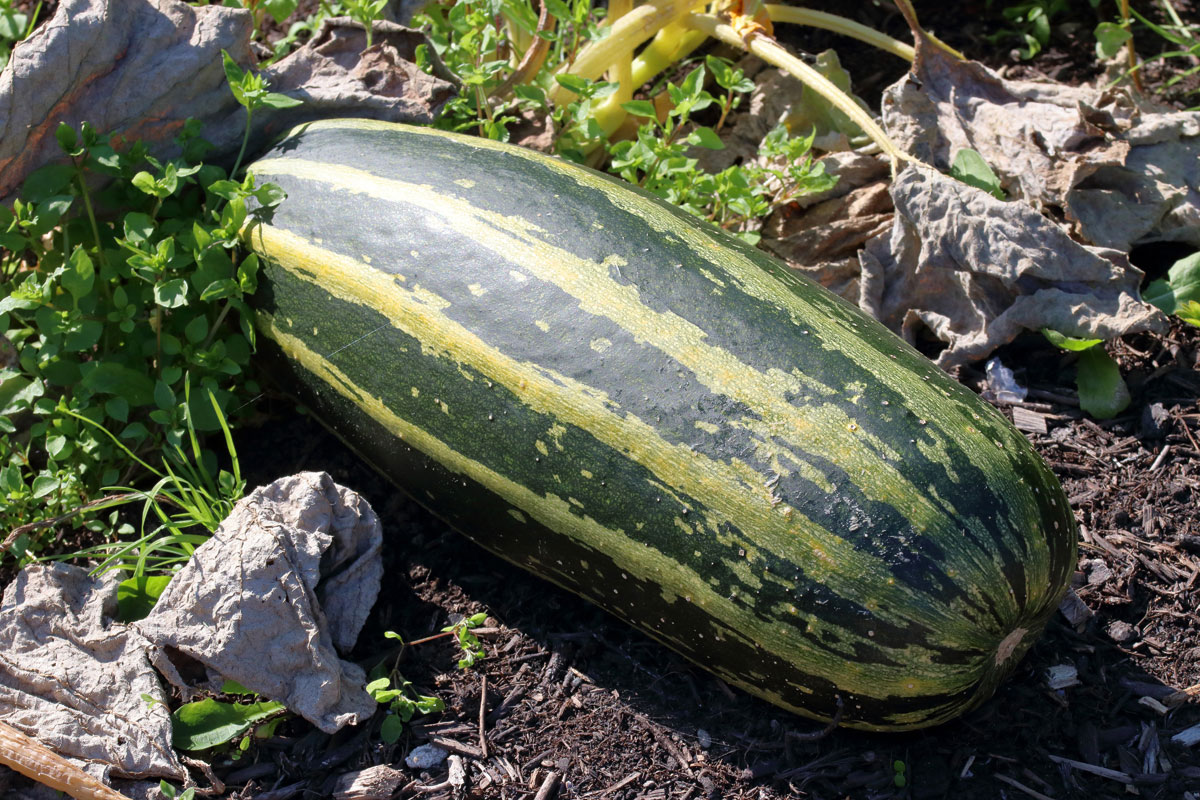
74	679
304	578
90	63
84	684
977	271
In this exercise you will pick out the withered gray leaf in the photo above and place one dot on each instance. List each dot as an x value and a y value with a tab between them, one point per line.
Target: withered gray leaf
1125	173
248	603
138	69
74	679
978	271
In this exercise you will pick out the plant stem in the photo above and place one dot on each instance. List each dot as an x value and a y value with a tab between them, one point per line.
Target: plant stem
245	140
212	332
91	213
910	16
846	27
627	33
1134	73
725	107
773	53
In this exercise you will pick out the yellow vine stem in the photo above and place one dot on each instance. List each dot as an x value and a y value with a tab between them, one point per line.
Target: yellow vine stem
622	69
1135	74
610	115
673	43
773	53
910	16
627	33
36	761
846	27
535	56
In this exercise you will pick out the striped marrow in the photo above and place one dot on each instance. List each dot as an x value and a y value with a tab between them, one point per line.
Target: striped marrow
637	407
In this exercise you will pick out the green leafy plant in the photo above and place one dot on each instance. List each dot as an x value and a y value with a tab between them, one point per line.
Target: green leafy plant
970	168
1102	390
1031	22
188	503
899	774
250	90
403	702
468	642
170	791
15	25
365	12
1180	287
114	303
1184	40
208	723
659	158
279	10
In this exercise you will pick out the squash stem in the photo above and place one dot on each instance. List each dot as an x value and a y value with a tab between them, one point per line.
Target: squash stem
846	27
609	114
627	33
773	53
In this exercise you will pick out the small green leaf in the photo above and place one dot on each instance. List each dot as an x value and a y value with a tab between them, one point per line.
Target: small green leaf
1110	37
640	108
234	75
279	10
136	596
573	83
117	408
391	729
1189	312
721	69
164	398
1181	285
1067	342
706	137
196	330
1102	390
135	432
138	227
56	446
277	100
68	140
79	274
112	377
970	168
219	289
47	181
248	274
693	84
233	687
45	484
171	294
534	94
209	723
145	181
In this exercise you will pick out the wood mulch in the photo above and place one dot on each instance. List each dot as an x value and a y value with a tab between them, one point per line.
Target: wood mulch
578	699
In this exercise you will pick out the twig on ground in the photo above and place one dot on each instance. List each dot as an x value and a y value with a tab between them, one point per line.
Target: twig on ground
1016	784
549	787
34	760
821	734
482	714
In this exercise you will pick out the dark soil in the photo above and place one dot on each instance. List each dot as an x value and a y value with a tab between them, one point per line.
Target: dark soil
571	691
567	691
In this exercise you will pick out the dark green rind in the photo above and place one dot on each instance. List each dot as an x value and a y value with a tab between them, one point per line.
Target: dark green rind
644	381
